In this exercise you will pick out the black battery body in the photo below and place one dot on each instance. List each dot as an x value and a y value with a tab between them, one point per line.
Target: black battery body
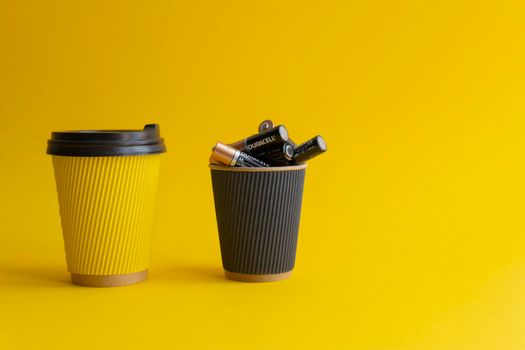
242	159
271	137
278	155
309	149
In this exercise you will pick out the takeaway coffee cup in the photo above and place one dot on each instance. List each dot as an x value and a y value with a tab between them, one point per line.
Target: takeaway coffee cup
107	182
258	212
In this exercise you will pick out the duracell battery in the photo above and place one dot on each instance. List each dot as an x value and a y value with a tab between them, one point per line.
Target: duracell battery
265	125
230	156
309	149
279	155
271	137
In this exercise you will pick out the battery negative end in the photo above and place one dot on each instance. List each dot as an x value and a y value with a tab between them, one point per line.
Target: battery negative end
265	125
321	142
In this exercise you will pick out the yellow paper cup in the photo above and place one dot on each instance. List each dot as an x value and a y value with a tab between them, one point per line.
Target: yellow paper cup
107	185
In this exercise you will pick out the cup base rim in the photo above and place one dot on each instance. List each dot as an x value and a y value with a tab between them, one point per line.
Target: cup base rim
247	277
109	280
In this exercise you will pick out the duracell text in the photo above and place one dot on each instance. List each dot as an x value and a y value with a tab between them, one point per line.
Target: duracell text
267	138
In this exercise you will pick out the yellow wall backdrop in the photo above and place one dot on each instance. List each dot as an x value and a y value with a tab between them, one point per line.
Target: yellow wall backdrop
412	231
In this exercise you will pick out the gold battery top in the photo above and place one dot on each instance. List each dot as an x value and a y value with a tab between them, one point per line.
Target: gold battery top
223	154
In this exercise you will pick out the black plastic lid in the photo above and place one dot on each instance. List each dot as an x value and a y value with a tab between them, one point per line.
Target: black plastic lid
98	143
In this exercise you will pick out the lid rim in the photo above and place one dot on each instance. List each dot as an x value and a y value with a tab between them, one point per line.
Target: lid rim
94	143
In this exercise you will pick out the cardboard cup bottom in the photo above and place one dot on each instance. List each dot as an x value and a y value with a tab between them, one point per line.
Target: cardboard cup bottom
109	280
245	277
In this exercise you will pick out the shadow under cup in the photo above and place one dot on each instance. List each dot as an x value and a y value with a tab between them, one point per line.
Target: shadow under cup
107	184
258	212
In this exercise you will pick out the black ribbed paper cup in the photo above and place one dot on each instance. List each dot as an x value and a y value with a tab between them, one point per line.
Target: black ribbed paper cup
258	212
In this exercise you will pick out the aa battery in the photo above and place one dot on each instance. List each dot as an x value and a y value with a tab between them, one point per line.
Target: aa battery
279	155
230	156
271	137
265	125
309	149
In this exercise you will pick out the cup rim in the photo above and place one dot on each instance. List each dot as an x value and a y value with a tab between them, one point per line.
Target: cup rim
257	170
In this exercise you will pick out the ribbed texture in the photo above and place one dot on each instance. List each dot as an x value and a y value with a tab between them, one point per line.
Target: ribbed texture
258	219
106	209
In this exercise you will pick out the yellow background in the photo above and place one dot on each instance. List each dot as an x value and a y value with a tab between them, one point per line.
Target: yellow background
412	231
